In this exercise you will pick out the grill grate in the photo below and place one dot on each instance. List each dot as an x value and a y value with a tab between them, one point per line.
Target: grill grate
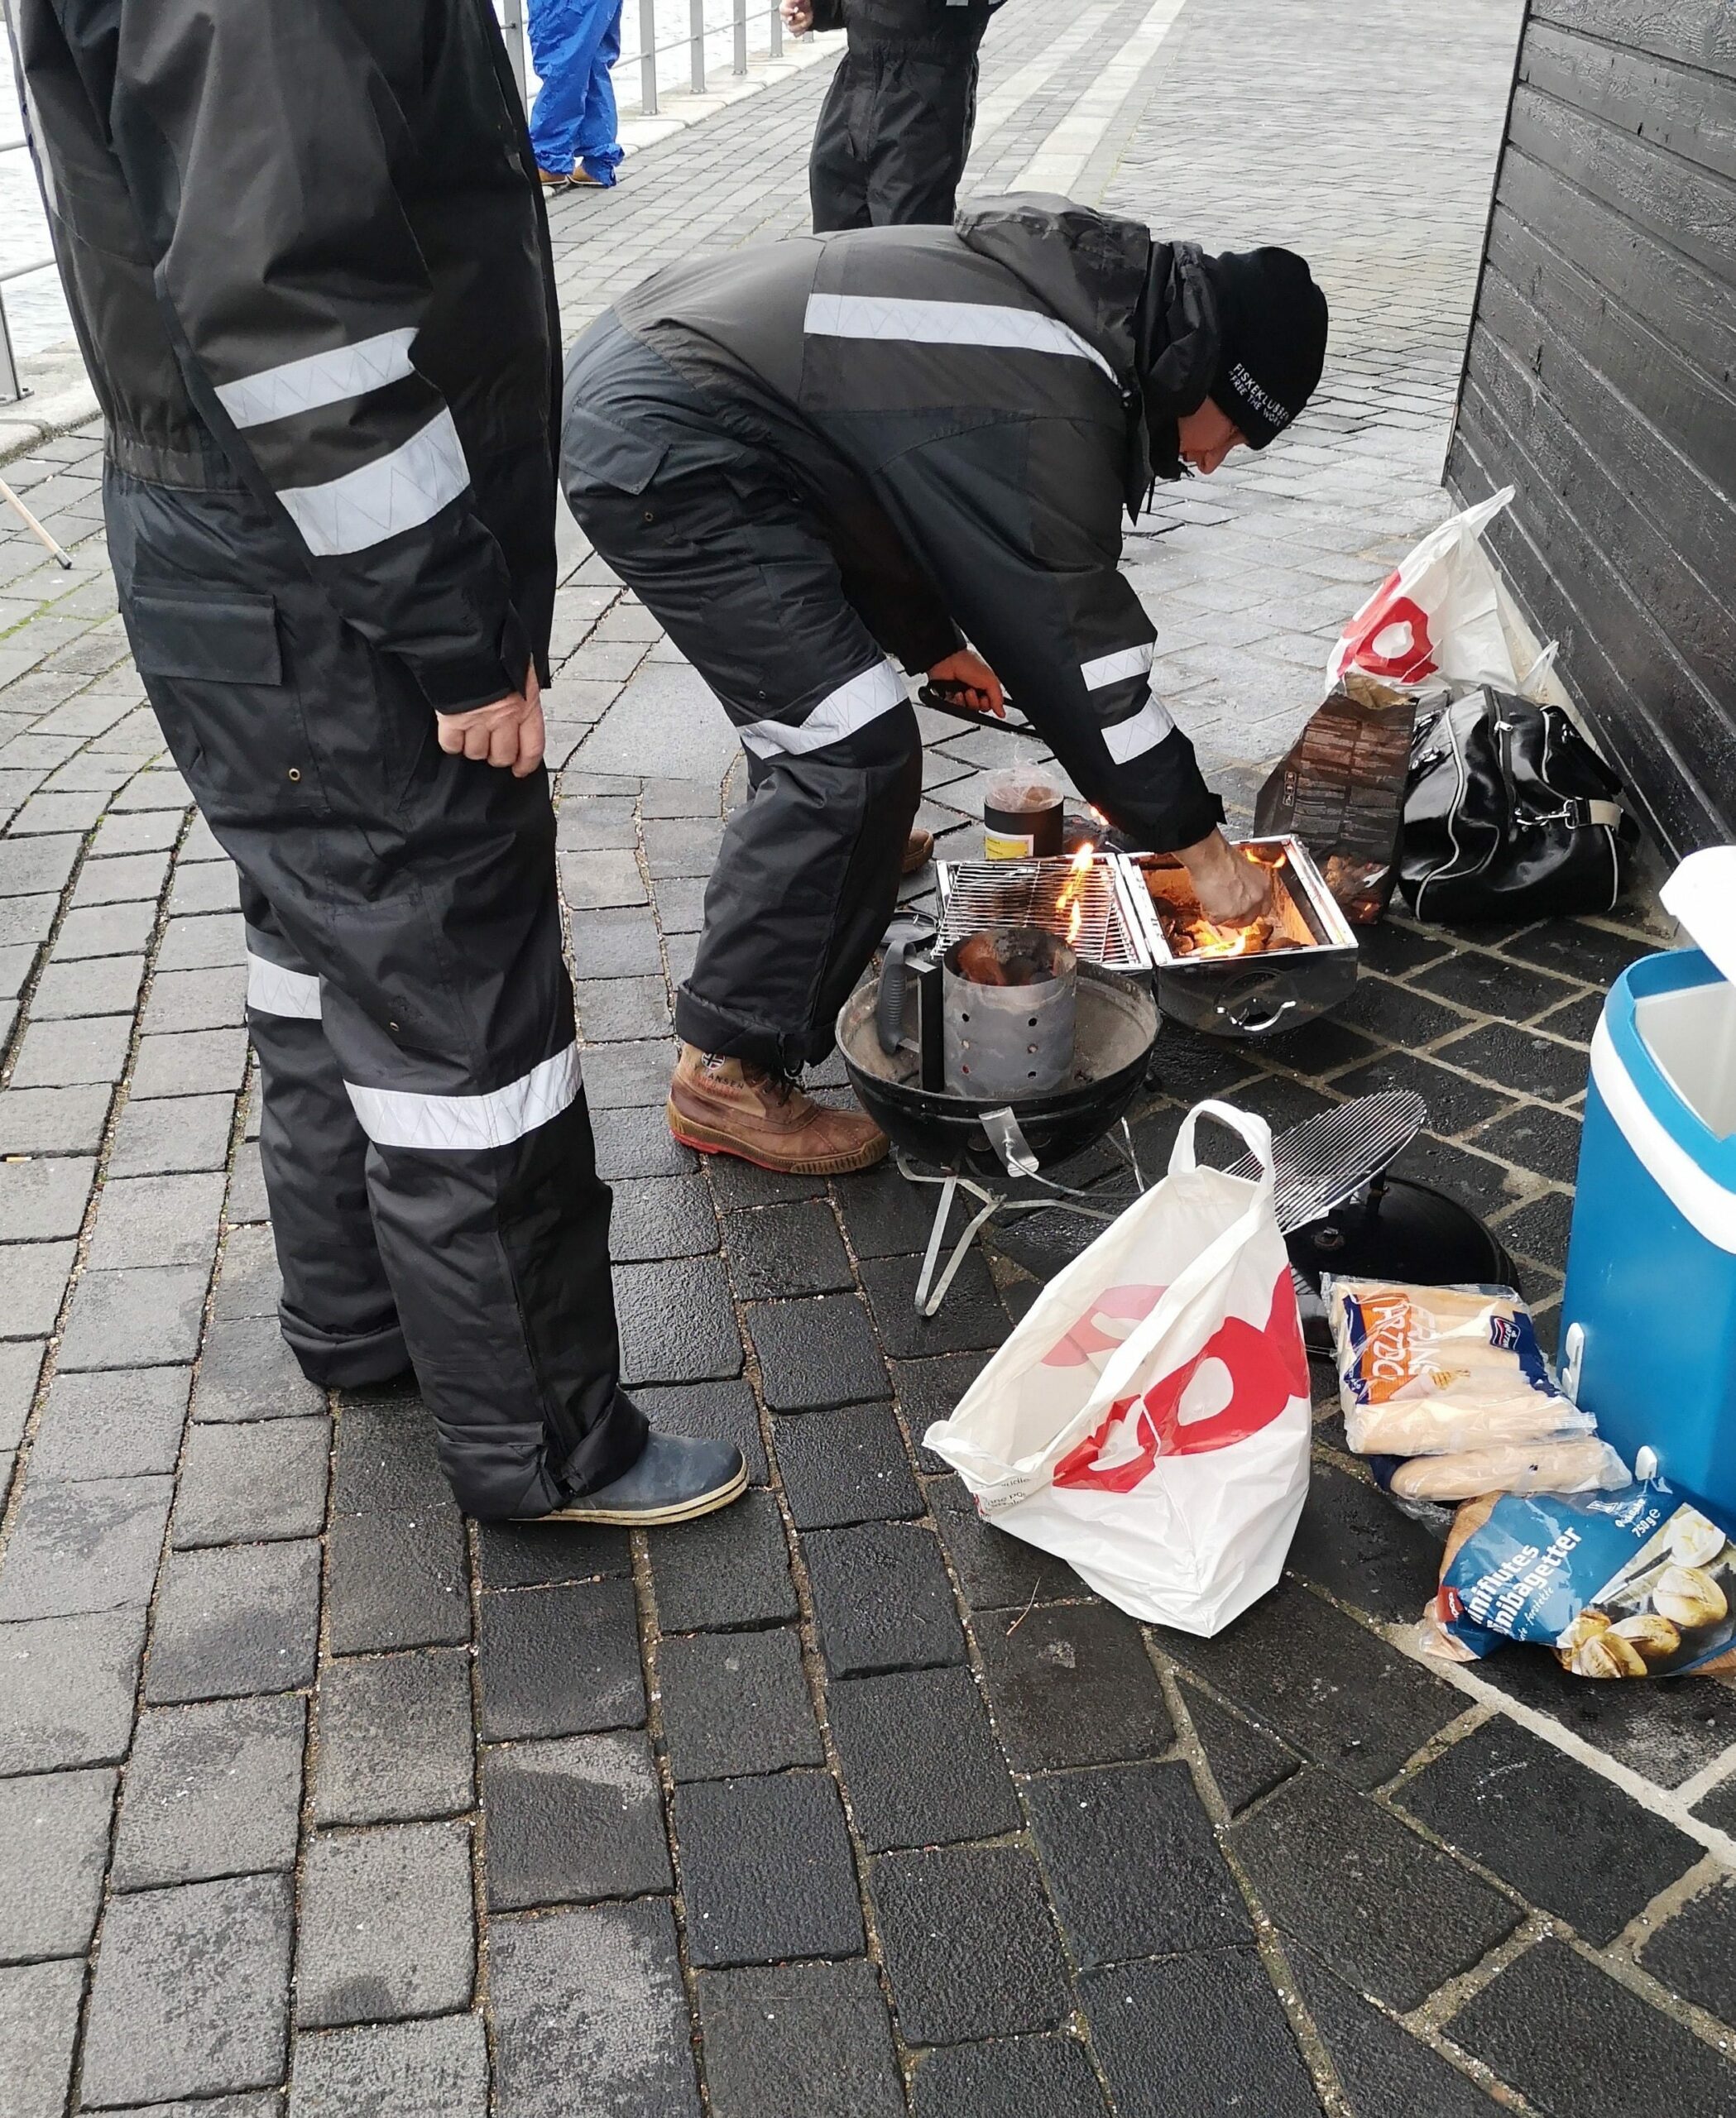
1329	1158
979	894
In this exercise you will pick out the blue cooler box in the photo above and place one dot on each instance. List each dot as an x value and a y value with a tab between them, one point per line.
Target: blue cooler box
1648	1317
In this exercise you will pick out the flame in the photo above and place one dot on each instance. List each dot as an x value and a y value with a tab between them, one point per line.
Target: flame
1210	940
1072	891
1075	922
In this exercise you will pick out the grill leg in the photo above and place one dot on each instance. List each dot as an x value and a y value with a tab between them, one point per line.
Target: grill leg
929	1293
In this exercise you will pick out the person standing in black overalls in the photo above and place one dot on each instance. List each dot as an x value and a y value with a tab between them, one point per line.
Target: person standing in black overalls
894	130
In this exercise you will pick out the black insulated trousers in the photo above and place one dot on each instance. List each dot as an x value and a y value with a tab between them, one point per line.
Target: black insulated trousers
704	527
427	1150
894	130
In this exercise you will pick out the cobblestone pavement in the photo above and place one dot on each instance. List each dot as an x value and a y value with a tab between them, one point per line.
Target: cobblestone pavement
840	1803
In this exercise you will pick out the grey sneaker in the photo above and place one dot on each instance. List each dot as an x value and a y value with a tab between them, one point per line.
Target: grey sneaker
677	1477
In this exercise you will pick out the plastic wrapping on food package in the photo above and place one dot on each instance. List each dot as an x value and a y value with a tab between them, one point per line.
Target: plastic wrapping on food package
1630	1584
1582	1464
1434	1371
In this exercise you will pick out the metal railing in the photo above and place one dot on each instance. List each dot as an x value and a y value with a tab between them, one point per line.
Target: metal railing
699	33
12	390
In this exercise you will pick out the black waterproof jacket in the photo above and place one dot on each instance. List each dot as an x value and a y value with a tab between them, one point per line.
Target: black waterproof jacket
304	248
991	386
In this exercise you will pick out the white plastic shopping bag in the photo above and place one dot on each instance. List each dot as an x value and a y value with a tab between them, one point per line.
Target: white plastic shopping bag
1148	1419
1446	615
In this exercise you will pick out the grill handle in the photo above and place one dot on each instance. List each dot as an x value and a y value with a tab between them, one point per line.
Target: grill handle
1006	1136
1254	1020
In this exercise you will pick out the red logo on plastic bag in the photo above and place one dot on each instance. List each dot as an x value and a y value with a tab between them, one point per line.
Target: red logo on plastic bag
1389	637
1267	1367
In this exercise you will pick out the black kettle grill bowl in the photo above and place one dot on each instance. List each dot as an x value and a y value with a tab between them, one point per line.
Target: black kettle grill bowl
1117	1026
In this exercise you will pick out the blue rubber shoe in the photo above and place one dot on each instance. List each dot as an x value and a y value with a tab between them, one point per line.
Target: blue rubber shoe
677	1477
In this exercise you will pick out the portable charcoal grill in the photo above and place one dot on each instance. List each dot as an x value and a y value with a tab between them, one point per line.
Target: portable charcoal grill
1113	926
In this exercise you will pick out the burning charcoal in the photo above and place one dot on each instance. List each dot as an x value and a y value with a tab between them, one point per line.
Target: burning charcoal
978	960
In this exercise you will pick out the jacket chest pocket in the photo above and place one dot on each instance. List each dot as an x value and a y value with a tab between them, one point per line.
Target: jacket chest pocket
212	665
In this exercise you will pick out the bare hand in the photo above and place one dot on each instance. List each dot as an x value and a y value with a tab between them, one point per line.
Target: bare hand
980	686
508	734
797	16
1233	890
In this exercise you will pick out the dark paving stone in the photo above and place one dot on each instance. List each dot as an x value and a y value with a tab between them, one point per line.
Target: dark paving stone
190	1062
882	1599
845	1466
262	1481
396	1581
786	1250
800	2038
44	1200
53	1121
886	1215
969	1944
248	1283
1073	1685
637	1143
1014	2077
1169	2034
1280	1101
1397	950
930	1390
617	1010
395	1741
1546	1141
677	1324
604	1981
950	1784
682	845
972	1319
1354	1543
737	1185
816	1354
766	1870
1578	1021
67	1687
33	1278
1454	1105
1398	1013
1532	1065
1694	1953
1381	1905
178	1133
736	1702
1329	1686
1666	1732
211	1791
1637	2065
1512	1801
630	1075
141	1318
1718	1808
247	1372
560	1661
1387	2072
542	1555
157	1220
730	1568
54	1845
191	1996
1324	1046
39	2027
101	985
573	1820
615	943
91	1545
719	1411
1541	1229
996	1570
196	1000
439	2069
385	1460
235	1619
657	1217
1493	985
1245	1762
1578	950
114	1425
386	1925
1188	1065
1133	1865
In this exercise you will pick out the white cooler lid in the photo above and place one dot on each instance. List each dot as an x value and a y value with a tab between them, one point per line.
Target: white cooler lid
1701	896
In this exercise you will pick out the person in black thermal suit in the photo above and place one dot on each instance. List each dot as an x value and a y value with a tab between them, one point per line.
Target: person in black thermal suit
811	455
304	247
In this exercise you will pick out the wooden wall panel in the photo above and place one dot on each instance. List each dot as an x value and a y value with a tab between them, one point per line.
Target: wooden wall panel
1600	378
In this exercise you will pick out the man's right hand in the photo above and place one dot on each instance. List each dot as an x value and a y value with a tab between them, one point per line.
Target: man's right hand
508	734
797	16
1233	890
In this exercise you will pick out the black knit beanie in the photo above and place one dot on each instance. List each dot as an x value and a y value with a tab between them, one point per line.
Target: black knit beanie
1273	323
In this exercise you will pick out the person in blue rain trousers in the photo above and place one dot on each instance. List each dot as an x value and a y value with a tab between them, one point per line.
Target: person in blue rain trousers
573	43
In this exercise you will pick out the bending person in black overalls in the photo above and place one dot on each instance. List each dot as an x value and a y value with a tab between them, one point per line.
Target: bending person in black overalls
810	456
894	129
304	249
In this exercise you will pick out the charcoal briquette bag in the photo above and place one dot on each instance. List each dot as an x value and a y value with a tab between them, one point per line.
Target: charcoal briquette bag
1635	1584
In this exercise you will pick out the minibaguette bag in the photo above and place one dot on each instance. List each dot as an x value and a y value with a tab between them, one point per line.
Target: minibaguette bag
1148	1420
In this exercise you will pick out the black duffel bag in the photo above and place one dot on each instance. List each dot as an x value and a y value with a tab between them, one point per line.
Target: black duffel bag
1509	814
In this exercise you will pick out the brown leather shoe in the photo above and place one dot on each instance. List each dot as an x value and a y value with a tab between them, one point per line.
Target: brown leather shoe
721	1107
918	850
